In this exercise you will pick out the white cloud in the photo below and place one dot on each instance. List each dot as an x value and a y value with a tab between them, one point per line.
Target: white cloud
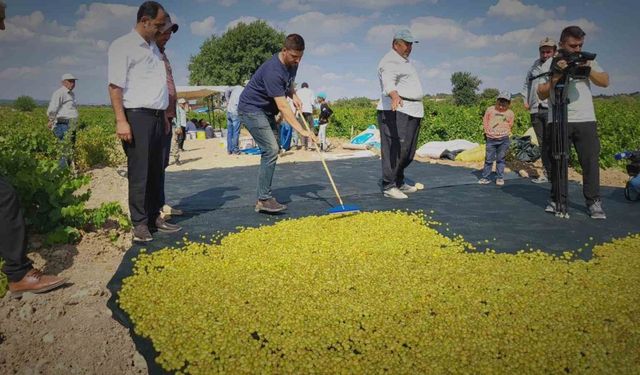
515	9
105	21
227	3
205	28
66	60
295	5
328	49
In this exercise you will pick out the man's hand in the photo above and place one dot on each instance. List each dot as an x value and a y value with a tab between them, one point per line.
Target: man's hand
297	103
396	100
50	124
123	131
526	105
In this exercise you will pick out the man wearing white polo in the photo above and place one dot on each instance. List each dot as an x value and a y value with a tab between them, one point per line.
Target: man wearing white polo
400	111
139	96
63	115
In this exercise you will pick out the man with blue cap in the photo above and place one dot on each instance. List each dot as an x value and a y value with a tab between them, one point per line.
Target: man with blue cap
400	111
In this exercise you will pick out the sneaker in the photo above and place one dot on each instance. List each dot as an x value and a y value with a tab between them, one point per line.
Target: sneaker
395	193
500	181
270	205
540	179
141	233
484	181
551	207
168	210
406	188
161	225
596	211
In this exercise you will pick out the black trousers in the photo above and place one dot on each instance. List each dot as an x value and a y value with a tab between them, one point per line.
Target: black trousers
584	136
13	234
399	137
145	165
541	126
166	152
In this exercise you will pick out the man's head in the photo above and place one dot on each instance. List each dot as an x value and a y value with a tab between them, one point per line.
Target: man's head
305	85
547	49
69	81
3	6
182	102
166	31
403	43
504	101
572	39
292	50
150	20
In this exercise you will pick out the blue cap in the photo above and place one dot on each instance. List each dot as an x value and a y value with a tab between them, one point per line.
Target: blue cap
322	95
405	35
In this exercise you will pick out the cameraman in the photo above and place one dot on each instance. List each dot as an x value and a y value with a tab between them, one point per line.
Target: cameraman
581	118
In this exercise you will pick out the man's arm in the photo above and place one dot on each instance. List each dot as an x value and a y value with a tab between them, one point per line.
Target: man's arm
123	129
599	78
54	107
526	88
290	118
387	74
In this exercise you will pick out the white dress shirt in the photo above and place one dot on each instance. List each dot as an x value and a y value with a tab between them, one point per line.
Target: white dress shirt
307	97
137	67
398	74
63	105
234	99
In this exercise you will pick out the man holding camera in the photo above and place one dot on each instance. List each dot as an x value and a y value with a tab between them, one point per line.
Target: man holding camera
539	109
581	119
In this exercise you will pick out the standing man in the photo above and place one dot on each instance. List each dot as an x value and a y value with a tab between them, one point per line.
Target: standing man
63	116
233	122
168	148
181	124
139	96
308	98
400	111
581	119
539	109
262	99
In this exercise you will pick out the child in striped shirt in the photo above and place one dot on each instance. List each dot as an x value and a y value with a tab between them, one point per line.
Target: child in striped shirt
497	124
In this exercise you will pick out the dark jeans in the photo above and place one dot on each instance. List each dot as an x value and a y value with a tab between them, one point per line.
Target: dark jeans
166	152
496	150
66	134
182	137
309	118
399	137
541	126
584	136
233	133
145	165
13	246
264	131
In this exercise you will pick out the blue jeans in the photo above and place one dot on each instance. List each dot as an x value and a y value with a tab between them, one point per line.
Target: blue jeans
264	131
233	133
66	135
496	151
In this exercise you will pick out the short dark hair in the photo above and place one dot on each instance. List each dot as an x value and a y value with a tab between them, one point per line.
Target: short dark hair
294	42
149	9
572	31
304	84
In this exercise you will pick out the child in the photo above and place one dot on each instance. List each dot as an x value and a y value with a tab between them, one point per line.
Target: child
497	124
323	121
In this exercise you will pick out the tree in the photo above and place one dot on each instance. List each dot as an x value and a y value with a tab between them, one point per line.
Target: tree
25	104
234	56
465	86
490	93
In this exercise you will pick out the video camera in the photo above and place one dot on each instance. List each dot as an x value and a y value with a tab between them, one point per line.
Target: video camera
576	61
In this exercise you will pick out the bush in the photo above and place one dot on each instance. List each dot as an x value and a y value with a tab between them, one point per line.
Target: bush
96	143
25	104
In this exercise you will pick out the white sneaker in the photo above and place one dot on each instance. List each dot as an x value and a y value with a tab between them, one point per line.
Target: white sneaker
395	193
406	188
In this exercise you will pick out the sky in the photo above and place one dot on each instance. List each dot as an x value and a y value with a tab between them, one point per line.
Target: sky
496	40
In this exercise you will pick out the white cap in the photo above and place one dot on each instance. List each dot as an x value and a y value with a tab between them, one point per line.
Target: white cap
505	95
68	77
181	101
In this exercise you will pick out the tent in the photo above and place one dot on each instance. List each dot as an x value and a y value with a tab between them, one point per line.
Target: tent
208	93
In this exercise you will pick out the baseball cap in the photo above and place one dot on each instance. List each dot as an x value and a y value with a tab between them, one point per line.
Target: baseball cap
405	35
504	95
168	24
322	95
68	77
547	42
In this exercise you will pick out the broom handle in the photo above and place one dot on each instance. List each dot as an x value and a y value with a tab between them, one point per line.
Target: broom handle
324	164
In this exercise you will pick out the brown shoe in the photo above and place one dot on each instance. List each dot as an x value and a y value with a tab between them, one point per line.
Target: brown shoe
165	227
270	205
141	233
35	282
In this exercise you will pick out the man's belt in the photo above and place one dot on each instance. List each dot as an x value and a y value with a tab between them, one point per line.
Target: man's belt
542	108
410	100
148	111
62	121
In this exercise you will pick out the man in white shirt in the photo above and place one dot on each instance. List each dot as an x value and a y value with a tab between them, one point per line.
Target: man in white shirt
539	109
139	96
233	121
63	115
308	98
581	119
400	111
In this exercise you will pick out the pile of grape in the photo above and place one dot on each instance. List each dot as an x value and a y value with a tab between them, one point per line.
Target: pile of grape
383	291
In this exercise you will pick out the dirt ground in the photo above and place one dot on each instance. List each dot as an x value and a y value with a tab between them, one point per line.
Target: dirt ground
70	330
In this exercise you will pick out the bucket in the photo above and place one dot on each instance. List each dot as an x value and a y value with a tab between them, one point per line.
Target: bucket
201	135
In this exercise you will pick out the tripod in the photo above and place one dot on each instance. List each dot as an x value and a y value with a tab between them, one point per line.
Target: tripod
560	148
